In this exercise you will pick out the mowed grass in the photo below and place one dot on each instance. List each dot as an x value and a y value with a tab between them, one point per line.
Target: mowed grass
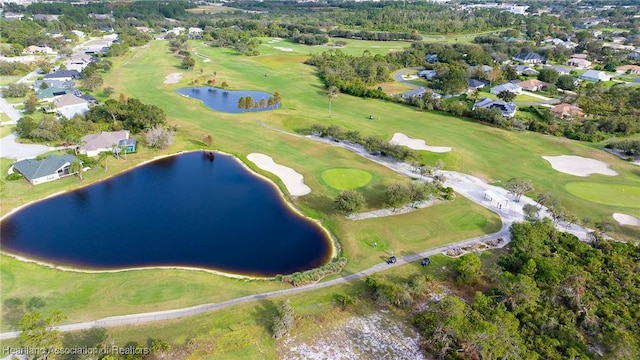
607	194
345	178
494	155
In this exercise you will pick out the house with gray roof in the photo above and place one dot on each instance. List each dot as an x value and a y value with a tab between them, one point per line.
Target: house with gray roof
510	87
63	75
53	167
508	109
525	70
595	76
529	58
69	105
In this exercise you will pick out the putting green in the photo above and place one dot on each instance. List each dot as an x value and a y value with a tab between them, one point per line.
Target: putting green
411	233
606	194
345	178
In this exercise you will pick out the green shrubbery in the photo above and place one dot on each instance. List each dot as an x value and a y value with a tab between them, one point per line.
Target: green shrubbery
313	275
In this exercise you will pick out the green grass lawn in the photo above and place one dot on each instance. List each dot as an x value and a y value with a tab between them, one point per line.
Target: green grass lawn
492	154
607	194
346	179
6	129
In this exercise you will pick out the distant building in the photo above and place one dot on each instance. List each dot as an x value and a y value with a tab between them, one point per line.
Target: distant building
595	75
562	70
525	70
510	87
579	63
533	85
628	69
431	58
475	84
567	111
53	167
530	58
63	75
508	109
32	49
427	74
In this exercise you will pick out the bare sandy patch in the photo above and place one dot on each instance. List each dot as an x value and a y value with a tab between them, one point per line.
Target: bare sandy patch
283	48
579	166
366	337
624	219
173	78
416	144
293	181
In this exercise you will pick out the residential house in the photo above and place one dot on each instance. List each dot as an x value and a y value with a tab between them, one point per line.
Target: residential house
579	63
9	16
194	33
567	111
94	144
33	49
69	105
635	54
530	58
53	167
63	75
533	85
475	84
525	70
516	89
628	69
508	109
51	93
431	58
619	39
562	70
417	92
427	74
38	84
579	56
618	47
566	44
78	62
595	75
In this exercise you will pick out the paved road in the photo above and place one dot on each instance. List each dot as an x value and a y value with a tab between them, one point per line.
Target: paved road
10	149
467	185
8	109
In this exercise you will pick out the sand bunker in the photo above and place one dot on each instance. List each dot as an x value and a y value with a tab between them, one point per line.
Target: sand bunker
579	166
624	219
416	144
293	181
173	78
283	48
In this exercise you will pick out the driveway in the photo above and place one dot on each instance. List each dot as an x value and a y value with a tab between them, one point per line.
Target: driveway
10	149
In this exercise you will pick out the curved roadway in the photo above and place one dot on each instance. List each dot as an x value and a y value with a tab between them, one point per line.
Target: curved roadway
467	185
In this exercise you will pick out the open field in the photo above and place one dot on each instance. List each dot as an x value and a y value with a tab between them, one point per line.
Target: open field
489	153
212	9
274	46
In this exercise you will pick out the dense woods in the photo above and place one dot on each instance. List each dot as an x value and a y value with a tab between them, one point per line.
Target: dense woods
550	297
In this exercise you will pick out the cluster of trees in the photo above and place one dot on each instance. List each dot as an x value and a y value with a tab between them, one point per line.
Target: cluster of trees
159	137
283	320
629	146
616	109
374	145
552	297
310	39
242	41
16	90
399	195
353	75
9	68
374	35
247	103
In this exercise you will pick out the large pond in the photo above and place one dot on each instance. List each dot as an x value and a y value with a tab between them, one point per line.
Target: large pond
187	211
227	100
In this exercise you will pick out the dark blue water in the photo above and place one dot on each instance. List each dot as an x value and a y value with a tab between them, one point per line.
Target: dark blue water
185	210
226	101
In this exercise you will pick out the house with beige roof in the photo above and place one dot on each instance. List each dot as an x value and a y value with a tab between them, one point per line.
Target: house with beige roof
579	63
533	85
70	105
567	112
628	69
94	144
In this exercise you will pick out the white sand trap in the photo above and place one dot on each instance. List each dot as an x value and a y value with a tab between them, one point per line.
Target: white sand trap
416	144
624	219
283	48
579	166
173	78
293	181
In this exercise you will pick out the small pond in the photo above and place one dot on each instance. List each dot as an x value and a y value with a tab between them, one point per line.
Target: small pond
187	210
226	100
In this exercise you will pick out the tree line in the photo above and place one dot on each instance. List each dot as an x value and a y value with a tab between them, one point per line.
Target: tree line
248	103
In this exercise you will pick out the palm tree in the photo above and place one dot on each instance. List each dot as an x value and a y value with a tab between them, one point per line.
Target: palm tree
332	92
124	149
76	168
115	150
104	156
